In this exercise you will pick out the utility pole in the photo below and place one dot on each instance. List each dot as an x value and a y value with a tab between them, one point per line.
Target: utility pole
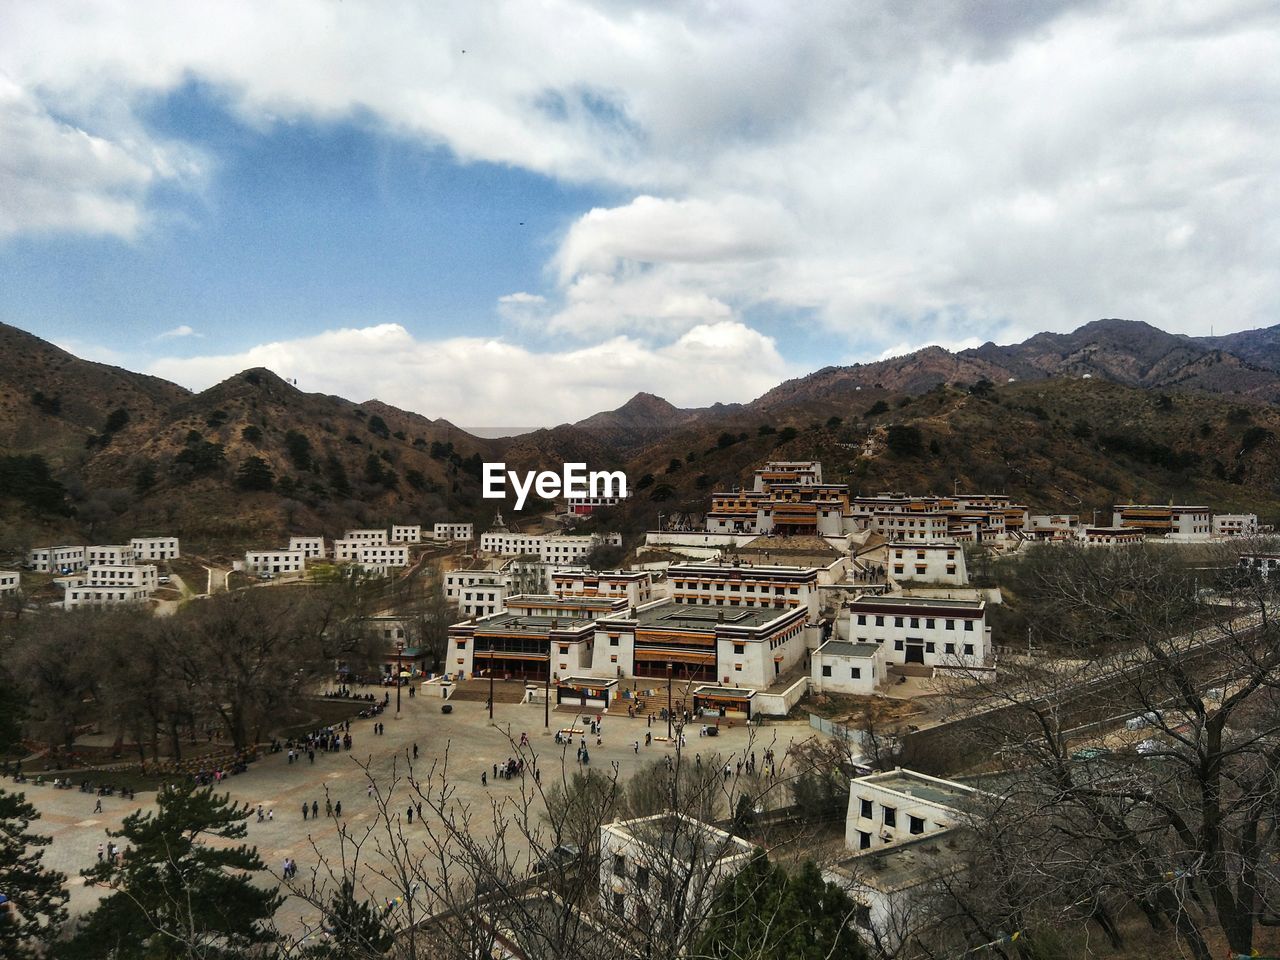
669	669
546	699
491	681
399	670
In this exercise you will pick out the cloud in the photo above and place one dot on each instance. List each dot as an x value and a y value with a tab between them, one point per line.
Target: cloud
900	174
182	330
489	381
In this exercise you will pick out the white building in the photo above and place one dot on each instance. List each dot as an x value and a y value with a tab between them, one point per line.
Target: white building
453	531
585	506
10	581
64	559
635	585
1235	524
90	595
1172	521
406	533
1263	564
939	562
382	556
1053	526
713	583
930	631
665	865
887	808
143	576
116	554
476	593
366	536
1112	536
103	584
274	561
155	549
849	668
509	543
567	549
312	548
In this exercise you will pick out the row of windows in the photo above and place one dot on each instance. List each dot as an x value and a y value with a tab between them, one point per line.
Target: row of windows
930	623
732	588
855	673
929	646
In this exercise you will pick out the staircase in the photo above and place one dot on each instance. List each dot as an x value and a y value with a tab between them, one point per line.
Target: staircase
504	691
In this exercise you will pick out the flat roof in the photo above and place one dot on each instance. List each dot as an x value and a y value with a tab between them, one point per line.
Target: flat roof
843	648
686	838
769	569
920	787
525	623
890	602
692	616
736	692
900	866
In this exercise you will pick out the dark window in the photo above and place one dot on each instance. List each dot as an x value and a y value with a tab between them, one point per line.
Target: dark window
915	824
864	840
619	865
642	878
866	806
619	904
890	817
862	619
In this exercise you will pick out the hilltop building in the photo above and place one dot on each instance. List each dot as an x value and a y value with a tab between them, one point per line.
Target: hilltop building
1172	521
929	631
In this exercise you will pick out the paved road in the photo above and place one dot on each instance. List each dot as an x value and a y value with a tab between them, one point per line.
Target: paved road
473	746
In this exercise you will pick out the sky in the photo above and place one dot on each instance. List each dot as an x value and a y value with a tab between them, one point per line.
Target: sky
520	213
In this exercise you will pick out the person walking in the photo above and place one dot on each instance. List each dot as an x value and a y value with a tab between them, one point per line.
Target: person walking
315	809
100	851
409	812
337	809
305	809
328	807
415	746
261	815
271	815
484	778
97	807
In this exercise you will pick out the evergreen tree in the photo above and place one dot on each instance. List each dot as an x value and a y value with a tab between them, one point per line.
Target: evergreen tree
255	474
355	928
764	913
37	896
172	894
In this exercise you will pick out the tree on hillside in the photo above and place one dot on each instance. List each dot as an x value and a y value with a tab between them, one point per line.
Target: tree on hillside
255	474
37	895
174	893
903	440
767	914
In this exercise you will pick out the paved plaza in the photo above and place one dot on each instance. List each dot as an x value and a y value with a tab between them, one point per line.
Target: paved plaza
473	746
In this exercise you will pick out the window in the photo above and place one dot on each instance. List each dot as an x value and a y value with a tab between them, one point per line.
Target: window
864	808
897	645
739	648
897	621
879	621
968	649
915	623
826	670
613	641
968	625
855	673
619	904
864	840
929	647
915	824
619	865
890	817
462	644
737	667
951	624
862	619
642	878
928	624
949	648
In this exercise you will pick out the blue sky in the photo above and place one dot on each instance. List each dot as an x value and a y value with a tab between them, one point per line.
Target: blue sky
520	213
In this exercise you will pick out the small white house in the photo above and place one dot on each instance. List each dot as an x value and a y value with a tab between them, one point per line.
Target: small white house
63	559
850	668
155	549
477	593
886	808
936	561
453	531
1264	565
930	631
366	536
274	561
116	554
10	581
406	533
383	556
1235	524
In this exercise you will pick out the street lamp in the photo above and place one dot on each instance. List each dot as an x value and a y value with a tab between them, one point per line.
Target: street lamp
399	670
669	669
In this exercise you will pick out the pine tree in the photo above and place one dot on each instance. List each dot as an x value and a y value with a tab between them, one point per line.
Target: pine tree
255	474
764	913
354	929
175	895
37	896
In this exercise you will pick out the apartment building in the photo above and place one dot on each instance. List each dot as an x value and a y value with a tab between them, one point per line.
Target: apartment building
739	646
664	865
143	576
1172	521
635	586
64	559
1053	526
382	556
476	593
510	543
965	517
923	630
155	549
95	595
312	548
274	561
406	533
115	554
453	531
103	584
366	536
571	549
714	583
1261	564
1235	524
10	581
940	562
585	506
839	666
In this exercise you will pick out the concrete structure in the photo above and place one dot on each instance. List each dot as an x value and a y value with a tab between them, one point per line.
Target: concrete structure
406	533
155	549
1262	564
572	549
116	554
720	584
366	536
94	595
968	517
635	586
849	668
887	808
1112	536
453	531
930	631
274	561
667	863
64	559
786	497
476	593
10	581
382	556
312	548
1173	521
939	562
1235	524
1056	526
510	543
734	646
143	576
103	584
585	506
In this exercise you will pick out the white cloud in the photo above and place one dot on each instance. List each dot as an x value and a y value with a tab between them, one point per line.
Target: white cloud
182	330
903	174
493	382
